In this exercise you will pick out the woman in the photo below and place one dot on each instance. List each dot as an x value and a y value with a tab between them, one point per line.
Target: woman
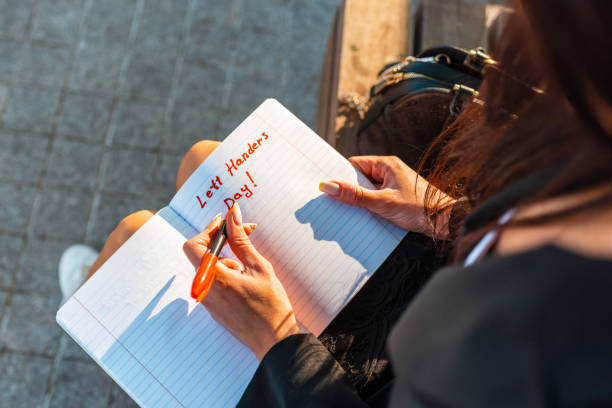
527	324
522	315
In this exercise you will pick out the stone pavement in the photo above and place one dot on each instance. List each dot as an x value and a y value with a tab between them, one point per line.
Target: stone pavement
98	101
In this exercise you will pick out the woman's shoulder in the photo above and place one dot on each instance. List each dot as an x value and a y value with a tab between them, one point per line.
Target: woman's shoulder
506	324
527	283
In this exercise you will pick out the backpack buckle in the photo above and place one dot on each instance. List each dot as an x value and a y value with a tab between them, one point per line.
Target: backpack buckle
478	60
457	91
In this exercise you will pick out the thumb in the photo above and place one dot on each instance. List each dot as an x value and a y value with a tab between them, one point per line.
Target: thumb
352	194
238	239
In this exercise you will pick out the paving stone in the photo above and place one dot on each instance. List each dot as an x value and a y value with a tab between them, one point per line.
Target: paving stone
15	206
302	100
85	116
205	39
166	179
62	214
315	18
72	351
148	77
243	103
57	20
30	325
3	296
303	83
3	95
30	109
111	209
23	380
38	274
264	16
212	32
229	120
138	124
191	123
14	17
21	156
307	38
303	106
109	21
9	252
201	80
259	48
96	66
43	66
128	171
80	384
119	399
261	71
213	14
160	202
161	25
73	163
10	59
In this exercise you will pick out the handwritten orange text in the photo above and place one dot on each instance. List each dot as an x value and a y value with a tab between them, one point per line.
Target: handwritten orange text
252	147
215	183
245	191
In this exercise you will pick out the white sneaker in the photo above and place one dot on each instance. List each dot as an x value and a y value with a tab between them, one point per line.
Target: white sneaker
73	268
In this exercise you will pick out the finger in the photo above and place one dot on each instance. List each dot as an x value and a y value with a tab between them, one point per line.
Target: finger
249	227
239	241
379	169
225	277
195	247
351	193
363	164
372	167
231	263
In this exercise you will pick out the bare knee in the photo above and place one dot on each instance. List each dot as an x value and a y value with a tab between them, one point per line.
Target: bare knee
129	225
193	158
125	229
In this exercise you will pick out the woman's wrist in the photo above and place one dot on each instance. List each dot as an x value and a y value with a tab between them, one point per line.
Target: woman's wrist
440	225
436	224
287	328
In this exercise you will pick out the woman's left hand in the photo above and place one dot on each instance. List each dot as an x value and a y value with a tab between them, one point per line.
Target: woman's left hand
246	297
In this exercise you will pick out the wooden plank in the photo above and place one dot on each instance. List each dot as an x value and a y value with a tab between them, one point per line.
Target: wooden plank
328	86
366	35
375	32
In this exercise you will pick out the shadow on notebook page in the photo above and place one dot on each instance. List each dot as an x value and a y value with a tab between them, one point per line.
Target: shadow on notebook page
326	226
162	343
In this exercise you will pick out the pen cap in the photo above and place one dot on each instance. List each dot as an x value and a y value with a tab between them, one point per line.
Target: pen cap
219	240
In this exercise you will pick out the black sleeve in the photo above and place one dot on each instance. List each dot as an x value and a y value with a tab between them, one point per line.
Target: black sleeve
300	372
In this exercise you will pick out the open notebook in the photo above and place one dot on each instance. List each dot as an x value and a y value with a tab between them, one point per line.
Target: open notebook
135	316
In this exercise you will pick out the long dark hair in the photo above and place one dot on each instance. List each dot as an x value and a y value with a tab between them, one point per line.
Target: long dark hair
548	101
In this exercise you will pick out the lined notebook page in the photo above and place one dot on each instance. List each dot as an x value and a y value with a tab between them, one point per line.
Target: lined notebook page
136	319
323	251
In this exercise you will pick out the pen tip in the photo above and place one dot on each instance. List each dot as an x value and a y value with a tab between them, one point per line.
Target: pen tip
228	213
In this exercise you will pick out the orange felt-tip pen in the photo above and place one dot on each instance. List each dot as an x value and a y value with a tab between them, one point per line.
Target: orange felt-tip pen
206	272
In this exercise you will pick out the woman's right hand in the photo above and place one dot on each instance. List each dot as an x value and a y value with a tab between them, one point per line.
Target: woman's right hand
400	197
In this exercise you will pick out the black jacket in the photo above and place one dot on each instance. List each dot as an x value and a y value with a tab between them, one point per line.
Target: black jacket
526	330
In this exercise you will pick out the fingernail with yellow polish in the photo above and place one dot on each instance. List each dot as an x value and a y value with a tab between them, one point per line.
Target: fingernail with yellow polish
330	188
